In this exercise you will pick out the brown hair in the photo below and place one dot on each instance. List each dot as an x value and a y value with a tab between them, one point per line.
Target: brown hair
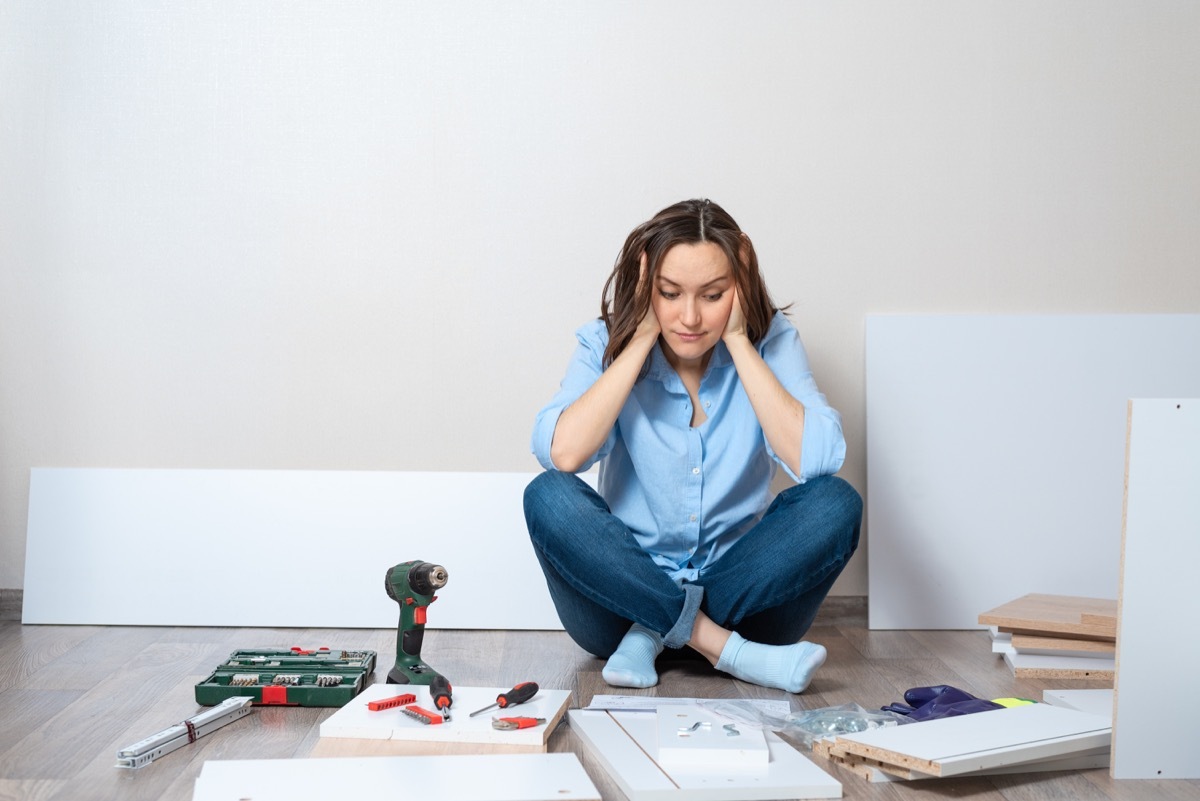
624	301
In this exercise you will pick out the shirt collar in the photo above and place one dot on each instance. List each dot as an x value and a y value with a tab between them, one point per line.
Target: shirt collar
662	371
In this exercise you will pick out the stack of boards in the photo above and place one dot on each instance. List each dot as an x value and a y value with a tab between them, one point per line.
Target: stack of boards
1056	636
1021	739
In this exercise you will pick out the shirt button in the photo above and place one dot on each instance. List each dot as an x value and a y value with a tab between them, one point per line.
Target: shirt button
707	404
695	470
693	518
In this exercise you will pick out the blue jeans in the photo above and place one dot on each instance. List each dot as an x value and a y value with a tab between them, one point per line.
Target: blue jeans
767	587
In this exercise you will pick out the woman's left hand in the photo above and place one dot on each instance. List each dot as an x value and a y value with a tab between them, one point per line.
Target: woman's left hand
736	324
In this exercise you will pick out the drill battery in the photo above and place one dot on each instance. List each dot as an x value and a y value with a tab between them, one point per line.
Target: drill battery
296	677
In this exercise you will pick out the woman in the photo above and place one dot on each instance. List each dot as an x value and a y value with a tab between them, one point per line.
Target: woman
689	390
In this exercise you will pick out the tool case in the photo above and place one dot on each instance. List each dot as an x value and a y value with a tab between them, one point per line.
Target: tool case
296	677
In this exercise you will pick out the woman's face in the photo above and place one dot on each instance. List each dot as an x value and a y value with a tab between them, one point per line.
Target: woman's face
692	297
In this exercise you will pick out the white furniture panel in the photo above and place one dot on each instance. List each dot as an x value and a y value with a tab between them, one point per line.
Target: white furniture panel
1157	648
276	548
995	454
481	777
625	745
356	721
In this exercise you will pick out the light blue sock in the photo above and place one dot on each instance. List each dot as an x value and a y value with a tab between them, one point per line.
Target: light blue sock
632	664
784	667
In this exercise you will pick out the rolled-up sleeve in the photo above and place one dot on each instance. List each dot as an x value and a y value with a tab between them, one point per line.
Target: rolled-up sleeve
823	448
586	365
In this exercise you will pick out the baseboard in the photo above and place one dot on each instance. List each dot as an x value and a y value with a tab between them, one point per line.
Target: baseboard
10	604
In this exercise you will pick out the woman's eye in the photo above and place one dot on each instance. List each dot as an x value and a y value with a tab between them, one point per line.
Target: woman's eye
668	295
714	298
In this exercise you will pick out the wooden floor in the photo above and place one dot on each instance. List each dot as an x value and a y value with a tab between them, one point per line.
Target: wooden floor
71	696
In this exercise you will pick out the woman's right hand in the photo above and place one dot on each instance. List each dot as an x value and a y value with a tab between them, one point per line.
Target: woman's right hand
649	325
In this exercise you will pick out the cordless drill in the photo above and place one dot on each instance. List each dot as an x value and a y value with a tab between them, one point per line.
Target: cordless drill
412	584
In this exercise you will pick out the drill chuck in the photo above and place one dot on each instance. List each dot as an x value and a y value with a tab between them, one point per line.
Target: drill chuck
426	578
423	578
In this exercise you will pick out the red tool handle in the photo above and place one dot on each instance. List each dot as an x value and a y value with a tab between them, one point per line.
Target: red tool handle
523	723
518	694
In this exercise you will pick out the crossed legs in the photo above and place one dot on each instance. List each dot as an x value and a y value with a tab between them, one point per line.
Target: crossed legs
745	614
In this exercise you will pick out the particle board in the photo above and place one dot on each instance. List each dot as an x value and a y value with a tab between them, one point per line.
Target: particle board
1156	665
625	745
483	777
1062	646
355	721
1039	666
992	437
875	771
982	741
109	547
1041	614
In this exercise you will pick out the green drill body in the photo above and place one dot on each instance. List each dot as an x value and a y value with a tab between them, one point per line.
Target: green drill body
412	584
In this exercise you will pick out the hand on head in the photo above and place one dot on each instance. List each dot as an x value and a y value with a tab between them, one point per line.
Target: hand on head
649	324
736	325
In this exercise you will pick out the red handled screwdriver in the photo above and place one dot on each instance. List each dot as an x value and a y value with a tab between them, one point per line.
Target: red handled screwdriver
517	695
441	694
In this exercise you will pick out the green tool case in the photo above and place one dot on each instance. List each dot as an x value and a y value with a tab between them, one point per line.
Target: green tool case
321	677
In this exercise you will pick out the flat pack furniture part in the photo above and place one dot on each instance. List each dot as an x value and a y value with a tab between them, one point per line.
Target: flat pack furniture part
1062	646
1092	701
691	737
991	437
480	777
876	771
1156	662
981	741
1041	614
625	743
1038	666
101	542
356	721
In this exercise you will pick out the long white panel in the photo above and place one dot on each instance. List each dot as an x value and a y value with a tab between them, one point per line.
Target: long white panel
276	548
995	454
480	777
1157	657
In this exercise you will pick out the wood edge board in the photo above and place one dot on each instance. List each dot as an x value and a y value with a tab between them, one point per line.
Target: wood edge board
864	767
1040	628
1026	641
894	758
1061	673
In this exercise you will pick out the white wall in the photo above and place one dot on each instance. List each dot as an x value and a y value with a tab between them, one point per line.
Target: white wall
320	235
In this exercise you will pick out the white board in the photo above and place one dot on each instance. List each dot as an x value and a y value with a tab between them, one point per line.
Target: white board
622	742
995	454
355	720
691	737
1156	657
1095	702
482	777
993	739
276	548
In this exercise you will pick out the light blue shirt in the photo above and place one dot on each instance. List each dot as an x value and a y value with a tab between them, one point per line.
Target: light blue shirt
688	494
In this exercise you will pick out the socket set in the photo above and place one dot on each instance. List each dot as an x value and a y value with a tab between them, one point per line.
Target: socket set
296	677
